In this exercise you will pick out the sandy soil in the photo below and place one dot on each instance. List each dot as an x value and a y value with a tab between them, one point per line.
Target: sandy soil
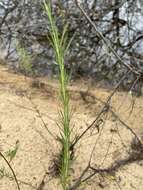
22	101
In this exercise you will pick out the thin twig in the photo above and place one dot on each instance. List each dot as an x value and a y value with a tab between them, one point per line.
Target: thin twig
130	67
125	125
14	175
79	179
104	109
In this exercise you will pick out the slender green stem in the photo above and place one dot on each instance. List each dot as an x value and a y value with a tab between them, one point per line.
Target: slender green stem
60	47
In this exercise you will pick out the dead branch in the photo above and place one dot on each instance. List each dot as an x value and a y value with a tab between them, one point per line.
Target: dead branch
106	42
14	175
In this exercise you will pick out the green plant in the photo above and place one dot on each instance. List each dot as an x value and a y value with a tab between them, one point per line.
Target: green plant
11	153
60	46
25	60
4	173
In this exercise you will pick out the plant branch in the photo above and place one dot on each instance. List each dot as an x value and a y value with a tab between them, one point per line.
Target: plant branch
14	175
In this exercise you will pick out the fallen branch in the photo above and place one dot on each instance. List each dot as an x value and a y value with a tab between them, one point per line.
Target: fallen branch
14	175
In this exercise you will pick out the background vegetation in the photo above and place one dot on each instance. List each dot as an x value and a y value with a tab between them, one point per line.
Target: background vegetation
100	40
119	21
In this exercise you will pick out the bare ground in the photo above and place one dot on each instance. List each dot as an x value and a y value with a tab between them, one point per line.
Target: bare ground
22	101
